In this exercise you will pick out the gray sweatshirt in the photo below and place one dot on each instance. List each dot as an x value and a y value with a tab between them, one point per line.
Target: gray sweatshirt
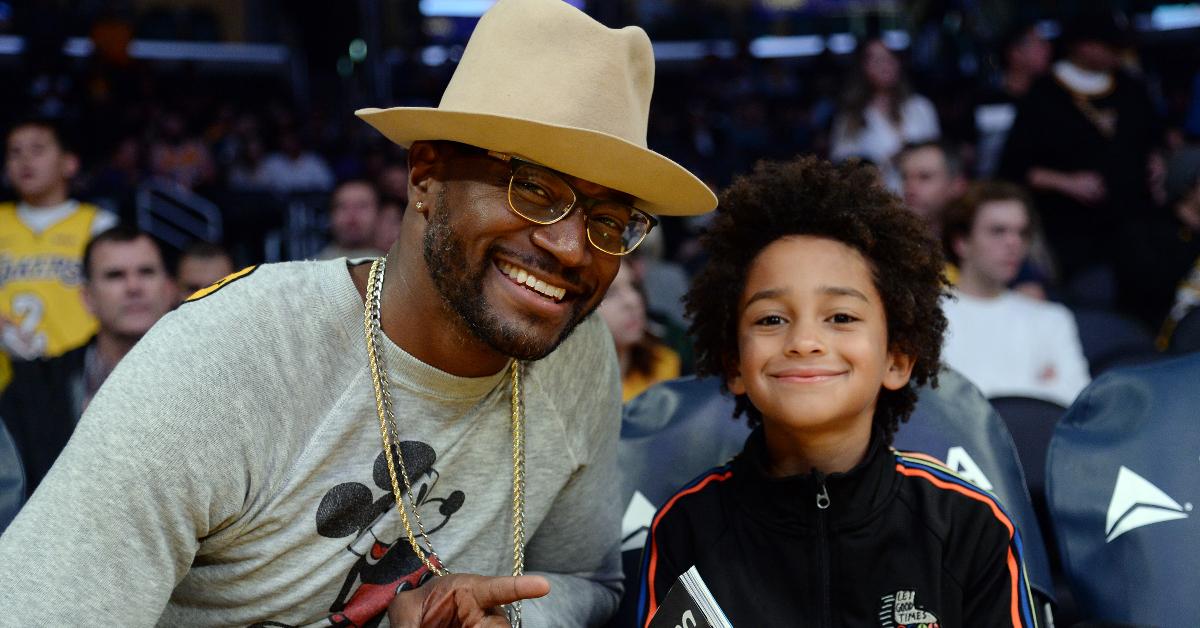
230	472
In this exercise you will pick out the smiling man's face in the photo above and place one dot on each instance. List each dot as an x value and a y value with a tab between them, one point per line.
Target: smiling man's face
519	287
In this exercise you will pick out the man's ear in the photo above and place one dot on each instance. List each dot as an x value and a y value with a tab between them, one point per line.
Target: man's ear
423	158
958	186
89	302
899	370
69	166
959	244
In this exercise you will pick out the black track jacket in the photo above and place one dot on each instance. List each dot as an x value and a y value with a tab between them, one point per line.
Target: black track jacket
900	542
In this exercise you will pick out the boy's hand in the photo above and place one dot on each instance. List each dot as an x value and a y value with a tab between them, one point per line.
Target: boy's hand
463	601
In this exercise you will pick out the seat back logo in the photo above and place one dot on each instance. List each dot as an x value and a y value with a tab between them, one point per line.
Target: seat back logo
1136	502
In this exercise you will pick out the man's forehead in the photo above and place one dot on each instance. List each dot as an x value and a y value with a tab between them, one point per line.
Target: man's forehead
596	190
122	252
928	156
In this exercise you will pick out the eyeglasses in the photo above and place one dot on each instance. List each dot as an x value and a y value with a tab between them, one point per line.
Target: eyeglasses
539	194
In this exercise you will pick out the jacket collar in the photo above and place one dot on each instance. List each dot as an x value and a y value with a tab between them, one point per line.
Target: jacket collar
854	496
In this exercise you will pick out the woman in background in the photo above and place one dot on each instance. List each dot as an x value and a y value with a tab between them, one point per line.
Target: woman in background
643	358
879	113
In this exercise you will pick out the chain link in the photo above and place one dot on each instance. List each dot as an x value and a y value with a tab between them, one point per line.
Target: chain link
391	438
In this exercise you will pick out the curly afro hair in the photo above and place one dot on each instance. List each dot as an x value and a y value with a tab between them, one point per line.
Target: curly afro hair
812	197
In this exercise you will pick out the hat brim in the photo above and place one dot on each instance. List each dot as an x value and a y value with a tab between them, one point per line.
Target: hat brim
659	185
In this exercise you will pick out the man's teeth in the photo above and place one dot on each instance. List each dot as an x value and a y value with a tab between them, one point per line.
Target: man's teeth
523	277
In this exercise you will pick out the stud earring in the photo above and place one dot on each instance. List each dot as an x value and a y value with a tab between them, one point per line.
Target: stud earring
420	204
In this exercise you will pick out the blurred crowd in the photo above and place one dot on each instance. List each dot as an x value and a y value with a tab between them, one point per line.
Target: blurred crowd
1062	175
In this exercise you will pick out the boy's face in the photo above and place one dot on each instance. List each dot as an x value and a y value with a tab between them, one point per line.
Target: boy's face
35	163
812	339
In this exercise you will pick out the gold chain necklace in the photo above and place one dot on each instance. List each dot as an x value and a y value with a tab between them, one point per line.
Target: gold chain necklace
391	436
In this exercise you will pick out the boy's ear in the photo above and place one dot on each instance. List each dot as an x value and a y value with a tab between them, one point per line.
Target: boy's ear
733	377
899	370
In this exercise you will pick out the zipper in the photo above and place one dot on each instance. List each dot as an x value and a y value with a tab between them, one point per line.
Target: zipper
823	566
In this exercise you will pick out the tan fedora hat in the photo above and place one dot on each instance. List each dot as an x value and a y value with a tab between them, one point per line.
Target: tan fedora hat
542	80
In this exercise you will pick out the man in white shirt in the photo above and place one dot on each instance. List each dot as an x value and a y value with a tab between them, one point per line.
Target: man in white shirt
1005	342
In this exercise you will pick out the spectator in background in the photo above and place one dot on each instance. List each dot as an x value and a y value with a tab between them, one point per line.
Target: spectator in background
1025	55
643	358
127	289
387	225
932	177
880	113
115	183
178	157
42	238
1183	190
247	173
1003	341
201	265
393	182
1084	141
352	221
293	168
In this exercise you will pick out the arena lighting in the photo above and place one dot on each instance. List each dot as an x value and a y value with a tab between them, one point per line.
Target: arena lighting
896	40
163	50
691	50
770	47
780	47
466	8
1169	17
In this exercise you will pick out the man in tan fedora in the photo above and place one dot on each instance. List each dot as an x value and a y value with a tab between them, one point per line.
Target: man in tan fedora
310	443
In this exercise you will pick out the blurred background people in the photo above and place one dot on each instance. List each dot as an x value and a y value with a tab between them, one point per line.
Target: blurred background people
387	225
1085	141
643	358
1006	343
1025	55
353	218
292	168
880	113
931	177
127	289
200	265
42	237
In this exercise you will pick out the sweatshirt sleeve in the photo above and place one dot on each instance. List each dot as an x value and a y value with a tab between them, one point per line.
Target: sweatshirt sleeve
999	595
577	546
668	553
116	523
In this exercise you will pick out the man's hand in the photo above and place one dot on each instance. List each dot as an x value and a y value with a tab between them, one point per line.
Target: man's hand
463	600
1085	187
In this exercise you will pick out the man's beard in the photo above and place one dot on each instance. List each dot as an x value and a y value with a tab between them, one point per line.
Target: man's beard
461	288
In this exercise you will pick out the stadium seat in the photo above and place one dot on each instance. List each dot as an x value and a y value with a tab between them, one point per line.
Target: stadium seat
1030	422
1122	479
677	429
1110	339
12	479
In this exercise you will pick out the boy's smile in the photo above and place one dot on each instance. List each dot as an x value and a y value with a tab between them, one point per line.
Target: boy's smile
812	341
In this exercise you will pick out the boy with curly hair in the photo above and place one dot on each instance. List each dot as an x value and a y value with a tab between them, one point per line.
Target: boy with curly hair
820	309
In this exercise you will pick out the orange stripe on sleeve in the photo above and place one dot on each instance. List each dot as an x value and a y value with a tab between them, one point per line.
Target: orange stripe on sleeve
1013	570
652	600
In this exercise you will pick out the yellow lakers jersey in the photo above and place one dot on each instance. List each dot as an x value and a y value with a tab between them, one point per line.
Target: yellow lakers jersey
41	275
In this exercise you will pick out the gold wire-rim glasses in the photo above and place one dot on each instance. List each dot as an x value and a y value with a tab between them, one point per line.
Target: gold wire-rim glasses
577	199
